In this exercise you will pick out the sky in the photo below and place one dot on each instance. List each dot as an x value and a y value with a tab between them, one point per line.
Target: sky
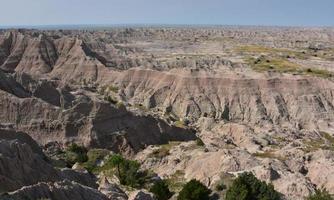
205	12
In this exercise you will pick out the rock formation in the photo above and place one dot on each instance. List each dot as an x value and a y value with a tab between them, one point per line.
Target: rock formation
207	103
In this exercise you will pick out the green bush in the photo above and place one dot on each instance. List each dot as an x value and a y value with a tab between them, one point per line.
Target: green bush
321	194
75	153
247	187
161	191
94	155
194	190
220	186
200	142
127	171
110	99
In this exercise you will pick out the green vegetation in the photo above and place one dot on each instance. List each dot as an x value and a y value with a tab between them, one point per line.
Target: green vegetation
220	186
176	181
163	150
161	191
110	100
127	171
269	154
277	60
328	137
120	105
94	156
200	142
194	190
247	186
113	88
303	54
257	49
273	64
140	107
75	153
325	142
319	73
283	65
321	194
225	182
180	124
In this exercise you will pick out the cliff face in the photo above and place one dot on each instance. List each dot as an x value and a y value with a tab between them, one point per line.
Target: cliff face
231	95
57	114
297	102
23	163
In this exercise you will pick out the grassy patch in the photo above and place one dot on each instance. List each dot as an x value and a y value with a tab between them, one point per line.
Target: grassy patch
257	49
120	105
326	142
140	107
273	64
268	154
94	156
199	142
163	150
180	124
160	153
328	137
176	181
283	65
319	72
110	99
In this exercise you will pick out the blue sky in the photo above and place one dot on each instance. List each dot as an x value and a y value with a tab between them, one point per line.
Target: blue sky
225	12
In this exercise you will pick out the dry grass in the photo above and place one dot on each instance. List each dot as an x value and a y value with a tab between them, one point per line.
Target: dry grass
163	150
325	142
283	65
180	124
176	181
269	154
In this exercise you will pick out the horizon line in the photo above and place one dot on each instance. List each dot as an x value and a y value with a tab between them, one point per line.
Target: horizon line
147	25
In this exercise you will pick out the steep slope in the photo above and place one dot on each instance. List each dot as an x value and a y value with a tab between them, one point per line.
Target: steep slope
35	54
64	190
292	101
59	114
23	163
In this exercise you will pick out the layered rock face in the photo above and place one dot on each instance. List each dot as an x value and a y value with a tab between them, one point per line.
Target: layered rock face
82	117
64	190
224	95
259	98
23	163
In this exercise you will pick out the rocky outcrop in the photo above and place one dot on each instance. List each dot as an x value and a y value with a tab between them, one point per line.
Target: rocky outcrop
141	195
23	163
111	190
20	166
82	116
64	190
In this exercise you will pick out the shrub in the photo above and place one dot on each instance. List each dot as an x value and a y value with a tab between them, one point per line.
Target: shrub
110	99
75	153
77	149
200	142
180	124
194	190
220	186
160	153
120	105
94	156
247	186
321	194
161	191
127	171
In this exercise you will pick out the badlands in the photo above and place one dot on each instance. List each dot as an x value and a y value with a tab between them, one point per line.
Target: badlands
178	103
